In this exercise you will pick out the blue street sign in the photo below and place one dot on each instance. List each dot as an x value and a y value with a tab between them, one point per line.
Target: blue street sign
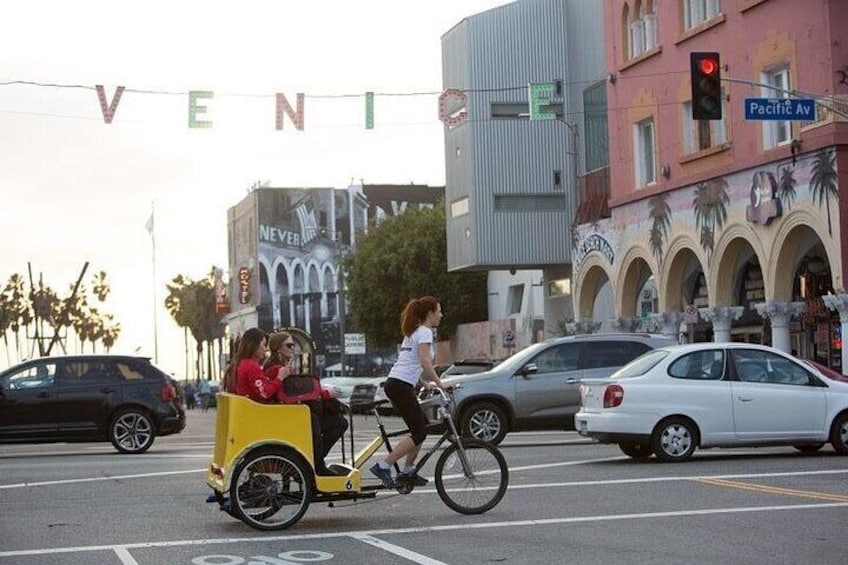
803	109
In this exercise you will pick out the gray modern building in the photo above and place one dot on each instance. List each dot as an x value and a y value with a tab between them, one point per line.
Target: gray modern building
513	184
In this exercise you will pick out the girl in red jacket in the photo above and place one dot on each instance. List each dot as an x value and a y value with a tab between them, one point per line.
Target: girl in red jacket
245	376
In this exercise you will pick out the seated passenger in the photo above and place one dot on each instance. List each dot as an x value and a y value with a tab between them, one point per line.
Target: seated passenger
327	425
245	376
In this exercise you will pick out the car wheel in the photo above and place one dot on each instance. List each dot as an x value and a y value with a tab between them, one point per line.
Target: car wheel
635	449
132	431
839	434
809	447
674	440
486	421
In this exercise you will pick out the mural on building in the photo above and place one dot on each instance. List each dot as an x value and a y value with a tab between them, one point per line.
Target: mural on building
660	214
823	183
302	235
710	207
704	210
786	186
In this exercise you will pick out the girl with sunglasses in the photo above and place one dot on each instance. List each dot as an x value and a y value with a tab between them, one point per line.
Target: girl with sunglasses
327	427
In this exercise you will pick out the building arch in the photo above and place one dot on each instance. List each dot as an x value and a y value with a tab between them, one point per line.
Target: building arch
681	261
636	268
593	273
730	251
791	243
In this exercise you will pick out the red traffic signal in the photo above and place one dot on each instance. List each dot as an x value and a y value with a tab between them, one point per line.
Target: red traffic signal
705	69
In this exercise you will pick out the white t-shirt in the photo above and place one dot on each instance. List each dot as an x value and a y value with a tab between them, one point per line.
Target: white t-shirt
408	368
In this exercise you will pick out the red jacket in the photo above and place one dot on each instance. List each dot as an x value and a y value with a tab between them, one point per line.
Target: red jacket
252	382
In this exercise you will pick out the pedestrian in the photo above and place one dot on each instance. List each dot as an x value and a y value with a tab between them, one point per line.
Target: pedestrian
189	396
415	360
245	377
205	394
328	426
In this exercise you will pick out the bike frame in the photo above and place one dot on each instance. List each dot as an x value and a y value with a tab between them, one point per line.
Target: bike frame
449	435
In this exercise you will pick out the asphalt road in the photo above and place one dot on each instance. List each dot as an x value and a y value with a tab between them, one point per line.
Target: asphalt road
569	501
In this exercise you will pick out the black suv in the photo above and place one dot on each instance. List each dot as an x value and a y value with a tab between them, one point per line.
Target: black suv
123	399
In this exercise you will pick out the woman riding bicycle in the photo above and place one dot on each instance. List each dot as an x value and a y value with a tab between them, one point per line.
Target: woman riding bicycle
415	358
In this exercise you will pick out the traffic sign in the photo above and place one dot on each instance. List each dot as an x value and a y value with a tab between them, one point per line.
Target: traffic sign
508	338
354	344
690	314
803	109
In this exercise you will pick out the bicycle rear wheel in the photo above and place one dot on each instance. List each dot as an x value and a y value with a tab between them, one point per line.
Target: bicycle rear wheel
478	488
271	490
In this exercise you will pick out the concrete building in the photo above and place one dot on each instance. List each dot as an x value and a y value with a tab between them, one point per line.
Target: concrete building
512	184
741	223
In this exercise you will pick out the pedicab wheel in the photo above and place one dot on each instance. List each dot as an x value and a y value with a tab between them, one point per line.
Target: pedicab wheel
271	490
480	487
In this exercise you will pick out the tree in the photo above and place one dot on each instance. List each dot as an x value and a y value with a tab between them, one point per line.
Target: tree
404	257
192	306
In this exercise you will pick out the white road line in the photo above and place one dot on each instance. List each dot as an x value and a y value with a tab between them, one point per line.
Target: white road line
429	529
125	556
397	550
94	479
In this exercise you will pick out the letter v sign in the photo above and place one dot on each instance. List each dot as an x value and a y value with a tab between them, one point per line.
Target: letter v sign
109	113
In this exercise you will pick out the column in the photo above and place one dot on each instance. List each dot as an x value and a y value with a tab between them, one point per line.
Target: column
780	312
839	302
275	311
669	322
721	317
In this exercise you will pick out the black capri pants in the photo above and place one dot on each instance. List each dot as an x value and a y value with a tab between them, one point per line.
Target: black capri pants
403	399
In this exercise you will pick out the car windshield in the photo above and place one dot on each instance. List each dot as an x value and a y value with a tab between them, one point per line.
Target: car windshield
827	371
641	364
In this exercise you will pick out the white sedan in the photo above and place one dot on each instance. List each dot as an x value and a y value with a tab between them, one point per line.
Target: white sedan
675	399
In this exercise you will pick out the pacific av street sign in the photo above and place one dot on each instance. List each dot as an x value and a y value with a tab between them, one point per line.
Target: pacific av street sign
803	109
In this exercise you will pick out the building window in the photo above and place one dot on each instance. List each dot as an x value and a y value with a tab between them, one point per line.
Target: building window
595	126
776	132
514	298
701	134
559	287
510	110
643	151
528	203
696	12
459	207
640	28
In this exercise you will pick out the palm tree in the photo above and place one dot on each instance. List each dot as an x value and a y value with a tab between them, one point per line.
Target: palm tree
192	305
19	308
710	205
100	287
660	213
5	323
823	182
786	186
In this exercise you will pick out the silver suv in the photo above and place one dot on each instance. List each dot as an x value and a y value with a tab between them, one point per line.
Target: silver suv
538	387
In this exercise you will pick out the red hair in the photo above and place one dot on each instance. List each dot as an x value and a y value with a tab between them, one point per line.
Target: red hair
415	313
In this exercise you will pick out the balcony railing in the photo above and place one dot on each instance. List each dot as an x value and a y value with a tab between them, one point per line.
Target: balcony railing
593	192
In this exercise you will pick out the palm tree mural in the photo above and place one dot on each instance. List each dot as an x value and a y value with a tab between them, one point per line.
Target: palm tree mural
710	205
660	213
786	186
823	181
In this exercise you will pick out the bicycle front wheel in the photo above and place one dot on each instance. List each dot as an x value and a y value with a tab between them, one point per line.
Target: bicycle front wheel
476	488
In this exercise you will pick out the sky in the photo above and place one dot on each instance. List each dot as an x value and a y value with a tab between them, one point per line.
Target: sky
76	189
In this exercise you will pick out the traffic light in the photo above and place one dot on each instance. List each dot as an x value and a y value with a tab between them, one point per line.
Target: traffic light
705	71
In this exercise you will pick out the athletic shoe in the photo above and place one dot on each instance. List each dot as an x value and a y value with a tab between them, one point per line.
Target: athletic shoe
385	475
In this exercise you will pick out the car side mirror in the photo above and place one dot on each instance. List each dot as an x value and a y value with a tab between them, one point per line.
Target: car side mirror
528	369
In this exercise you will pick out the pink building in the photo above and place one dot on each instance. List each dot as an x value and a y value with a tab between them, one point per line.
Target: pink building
738	222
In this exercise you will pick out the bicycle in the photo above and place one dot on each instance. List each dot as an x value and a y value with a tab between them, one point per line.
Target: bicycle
267	479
